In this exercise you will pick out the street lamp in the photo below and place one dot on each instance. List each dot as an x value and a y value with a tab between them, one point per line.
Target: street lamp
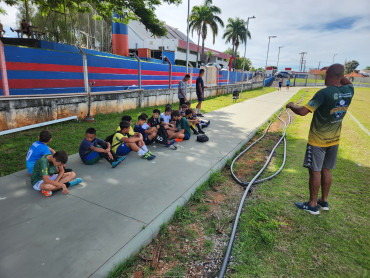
335	54
187	41
245	48
268	48
277	65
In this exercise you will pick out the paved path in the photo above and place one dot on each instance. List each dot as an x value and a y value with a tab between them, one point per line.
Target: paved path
116	211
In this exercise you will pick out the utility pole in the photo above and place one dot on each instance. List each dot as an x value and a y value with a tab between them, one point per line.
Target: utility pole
277	65
319	65
302	57
245	48
304	67
187	41
335	54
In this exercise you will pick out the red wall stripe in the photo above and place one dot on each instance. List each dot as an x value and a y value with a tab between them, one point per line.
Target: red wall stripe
42	67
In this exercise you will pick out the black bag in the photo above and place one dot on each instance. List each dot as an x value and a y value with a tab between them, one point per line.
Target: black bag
202	138
162	136
109	139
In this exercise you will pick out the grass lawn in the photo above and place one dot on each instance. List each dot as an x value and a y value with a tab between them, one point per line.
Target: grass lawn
68	135
276	239
359	107
311	81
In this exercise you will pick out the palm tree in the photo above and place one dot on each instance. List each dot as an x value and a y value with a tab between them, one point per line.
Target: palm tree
203	16
236	33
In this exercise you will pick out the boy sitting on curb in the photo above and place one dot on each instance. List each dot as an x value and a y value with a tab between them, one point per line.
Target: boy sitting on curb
165	117
154	121
148	133
38	149
193	122
123	144
202	122
182	125
48	174
92	149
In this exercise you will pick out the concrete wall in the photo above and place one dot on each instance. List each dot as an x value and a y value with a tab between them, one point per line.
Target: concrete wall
22	111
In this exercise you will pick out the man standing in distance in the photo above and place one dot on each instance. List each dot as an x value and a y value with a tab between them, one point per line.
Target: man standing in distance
200	92
182	90
329	107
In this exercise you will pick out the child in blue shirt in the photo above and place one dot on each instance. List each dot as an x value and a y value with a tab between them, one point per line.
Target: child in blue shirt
92	149
148	133
38	149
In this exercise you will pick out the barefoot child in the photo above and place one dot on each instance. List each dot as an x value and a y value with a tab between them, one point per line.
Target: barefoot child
48	174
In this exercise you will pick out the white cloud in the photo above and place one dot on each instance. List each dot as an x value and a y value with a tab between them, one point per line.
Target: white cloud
285	19
290	22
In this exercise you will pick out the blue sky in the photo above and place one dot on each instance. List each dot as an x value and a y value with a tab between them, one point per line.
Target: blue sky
322	28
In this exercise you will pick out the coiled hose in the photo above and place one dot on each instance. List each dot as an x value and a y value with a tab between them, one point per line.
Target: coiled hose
253	181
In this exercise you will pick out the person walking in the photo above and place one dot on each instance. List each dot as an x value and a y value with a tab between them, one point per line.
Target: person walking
329	106
182	90
199	84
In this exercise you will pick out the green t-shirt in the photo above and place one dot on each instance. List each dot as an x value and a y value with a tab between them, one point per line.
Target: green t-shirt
329	107
184	124
42	168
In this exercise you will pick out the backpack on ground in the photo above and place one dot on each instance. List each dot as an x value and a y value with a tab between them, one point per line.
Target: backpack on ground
202	138
162	136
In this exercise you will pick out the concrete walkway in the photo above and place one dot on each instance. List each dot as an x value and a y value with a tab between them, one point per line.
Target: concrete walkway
116	211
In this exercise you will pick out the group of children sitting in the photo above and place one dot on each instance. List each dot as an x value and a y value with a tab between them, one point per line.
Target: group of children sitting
47	167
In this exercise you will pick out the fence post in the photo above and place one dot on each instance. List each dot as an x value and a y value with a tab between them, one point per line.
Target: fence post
86	73
4	74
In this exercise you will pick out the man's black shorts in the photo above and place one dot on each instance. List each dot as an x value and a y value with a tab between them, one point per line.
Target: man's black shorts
199	96
182	101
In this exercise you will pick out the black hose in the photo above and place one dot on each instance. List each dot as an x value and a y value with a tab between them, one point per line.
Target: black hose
253	181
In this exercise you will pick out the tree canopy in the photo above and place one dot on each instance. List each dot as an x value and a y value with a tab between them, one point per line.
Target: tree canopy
143	10
350	66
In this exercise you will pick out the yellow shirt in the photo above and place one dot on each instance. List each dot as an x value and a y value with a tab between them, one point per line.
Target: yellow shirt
116	140
131	132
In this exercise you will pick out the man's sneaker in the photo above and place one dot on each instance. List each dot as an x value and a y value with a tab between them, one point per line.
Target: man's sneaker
323	205
148	156
47	193
200	115
305	206
170	143
208	123
201	131
195	132
75	182
179	140
118	161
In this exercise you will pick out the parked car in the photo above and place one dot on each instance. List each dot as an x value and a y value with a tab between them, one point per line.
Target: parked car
283	74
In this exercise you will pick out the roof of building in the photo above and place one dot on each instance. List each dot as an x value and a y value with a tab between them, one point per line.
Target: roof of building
172	33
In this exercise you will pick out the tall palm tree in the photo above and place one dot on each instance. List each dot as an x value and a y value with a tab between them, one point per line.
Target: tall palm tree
203	16
236	33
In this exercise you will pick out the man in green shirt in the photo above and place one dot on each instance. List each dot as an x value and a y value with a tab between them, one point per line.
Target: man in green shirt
48	174
329	106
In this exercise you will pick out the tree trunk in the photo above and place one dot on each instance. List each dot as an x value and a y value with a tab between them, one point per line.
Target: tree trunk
26	8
